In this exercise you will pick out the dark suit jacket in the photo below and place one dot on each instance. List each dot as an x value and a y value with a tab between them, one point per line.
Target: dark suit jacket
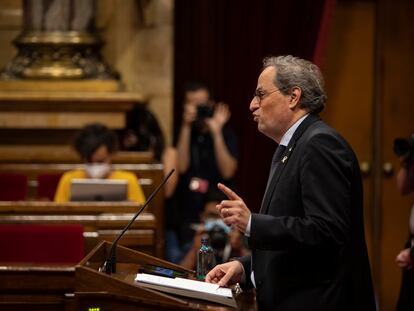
308	244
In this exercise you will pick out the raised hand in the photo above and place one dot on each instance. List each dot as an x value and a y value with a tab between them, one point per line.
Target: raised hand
233	211
403	259
220	117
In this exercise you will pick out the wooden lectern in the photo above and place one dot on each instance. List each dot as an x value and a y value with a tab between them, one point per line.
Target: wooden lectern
95	290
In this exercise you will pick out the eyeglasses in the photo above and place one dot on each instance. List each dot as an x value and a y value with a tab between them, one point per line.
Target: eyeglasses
260	95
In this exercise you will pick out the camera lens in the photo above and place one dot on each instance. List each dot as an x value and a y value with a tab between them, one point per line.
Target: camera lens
204	111
218	237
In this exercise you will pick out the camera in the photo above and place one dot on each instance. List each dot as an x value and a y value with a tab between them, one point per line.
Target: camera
218	234
218	237
404	147
204	111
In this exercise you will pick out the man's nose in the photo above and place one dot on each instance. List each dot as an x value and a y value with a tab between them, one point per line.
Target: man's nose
254	104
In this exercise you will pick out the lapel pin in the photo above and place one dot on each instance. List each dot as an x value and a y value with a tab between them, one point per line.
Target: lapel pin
284	159
290	149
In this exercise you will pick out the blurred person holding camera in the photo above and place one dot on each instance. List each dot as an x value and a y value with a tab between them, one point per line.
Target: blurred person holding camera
227	242
404	149
207	154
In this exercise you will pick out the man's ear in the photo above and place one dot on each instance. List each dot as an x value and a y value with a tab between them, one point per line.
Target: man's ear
295	95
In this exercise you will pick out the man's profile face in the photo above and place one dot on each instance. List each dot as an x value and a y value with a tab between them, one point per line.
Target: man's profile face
270	108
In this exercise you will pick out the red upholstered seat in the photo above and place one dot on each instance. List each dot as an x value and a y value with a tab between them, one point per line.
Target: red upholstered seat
46	185
13	187
41	243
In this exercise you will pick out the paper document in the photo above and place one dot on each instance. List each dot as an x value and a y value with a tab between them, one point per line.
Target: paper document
188	288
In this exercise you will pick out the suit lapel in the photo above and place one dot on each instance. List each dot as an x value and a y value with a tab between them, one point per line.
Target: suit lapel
275	178
285	158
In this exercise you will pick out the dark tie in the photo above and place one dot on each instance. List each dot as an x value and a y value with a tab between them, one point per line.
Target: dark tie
277	156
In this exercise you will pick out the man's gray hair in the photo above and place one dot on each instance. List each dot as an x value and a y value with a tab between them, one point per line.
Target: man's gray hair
296	72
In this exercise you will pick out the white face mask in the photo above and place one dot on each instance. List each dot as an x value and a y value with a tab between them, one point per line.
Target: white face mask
210	223
97	170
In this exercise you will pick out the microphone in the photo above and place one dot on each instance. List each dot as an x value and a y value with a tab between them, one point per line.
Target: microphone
109	265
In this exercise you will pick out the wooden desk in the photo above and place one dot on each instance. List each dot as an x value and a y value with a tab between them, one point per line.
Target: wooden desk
37	287
101	221
150	176
120	291
63	154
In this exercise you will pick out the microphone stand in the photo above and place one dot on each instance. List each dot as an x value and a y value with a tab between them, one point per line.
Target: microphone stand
109	265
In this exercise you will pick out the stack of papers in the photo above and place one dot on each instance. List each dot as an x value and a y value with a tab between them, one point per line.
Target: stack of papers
188	288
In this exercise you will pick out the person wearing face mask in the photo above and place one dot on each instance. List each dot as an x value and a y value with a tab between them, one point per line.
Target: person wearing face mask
227	242
95	143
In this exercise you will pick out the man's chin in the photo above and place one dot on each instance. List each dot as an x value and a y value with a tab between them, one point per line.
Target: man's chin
260	128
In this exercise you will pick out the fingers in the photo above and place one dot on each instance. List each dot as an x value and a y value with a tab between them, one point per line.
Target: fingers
218	276
403	260
230	220
233	217
233	211
234	222
228	208
226	274
221	114
214	275
223	110
209	277
224	280
228	192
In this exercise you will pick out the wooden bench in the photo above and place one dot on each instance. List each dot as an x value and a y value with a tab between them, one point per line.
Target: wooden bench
150	175
63	154
100	220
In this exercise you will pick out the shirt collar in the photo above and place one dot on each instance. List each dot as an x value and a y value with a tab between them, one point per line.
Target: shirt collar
289	133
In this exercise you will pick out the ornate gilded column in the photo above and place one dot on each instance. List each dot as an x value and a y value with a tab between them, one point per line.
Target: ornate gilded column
58	41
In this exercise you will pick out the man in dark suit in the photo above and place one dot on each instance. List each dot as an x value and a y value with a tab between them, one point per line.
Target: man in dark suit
308	244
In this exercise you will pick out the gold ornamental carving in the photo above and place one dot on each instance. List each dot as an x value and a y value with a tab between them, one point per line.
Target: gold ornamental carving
58	41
